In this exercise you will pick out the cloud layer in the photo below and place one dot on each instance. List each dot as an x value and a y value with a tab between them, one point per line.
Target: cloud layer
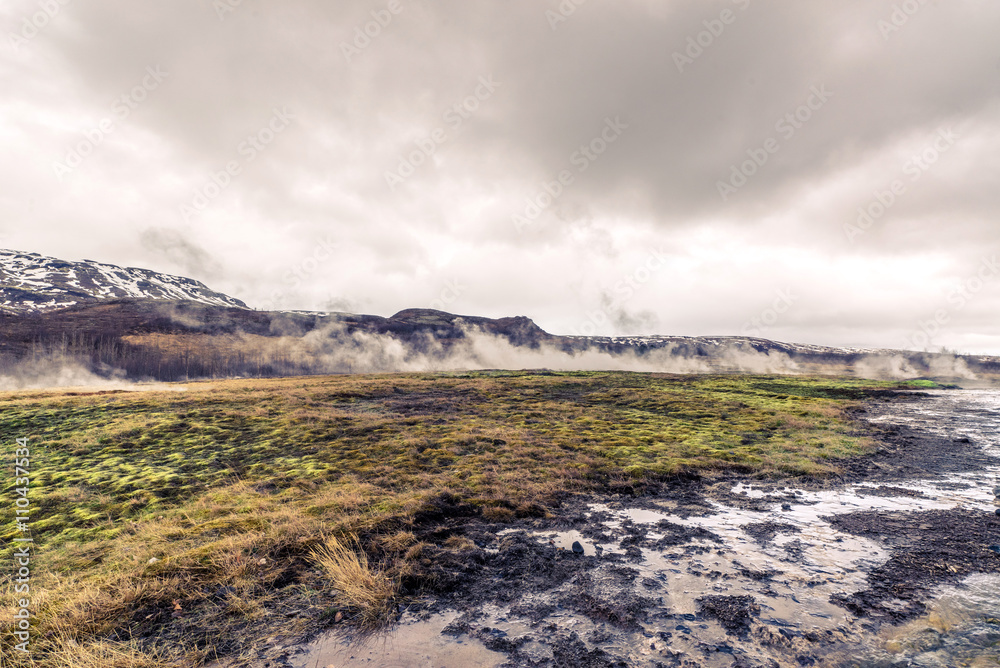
817	173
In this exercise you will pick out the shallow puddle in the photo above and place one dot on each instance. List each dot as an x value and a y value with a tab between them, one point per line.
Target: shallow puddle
413	643
961	628
564	540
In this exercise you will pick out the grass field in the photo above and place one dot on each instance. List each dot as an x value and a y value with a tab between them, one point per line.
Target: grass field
171	527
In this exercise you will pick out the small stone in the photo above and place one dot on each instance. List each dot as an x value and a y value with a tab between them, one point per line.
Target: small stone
998	512
995	548
786	506
152	560
577	548
996	492
339	617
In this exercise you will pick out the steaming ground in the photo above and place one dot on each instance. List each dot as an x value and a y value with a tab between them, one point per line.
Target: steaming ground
336	350
59	372
286	347
333	348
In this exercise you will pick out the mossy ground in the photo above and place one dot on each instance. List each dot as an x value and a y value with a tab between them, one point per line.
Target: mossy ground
233	486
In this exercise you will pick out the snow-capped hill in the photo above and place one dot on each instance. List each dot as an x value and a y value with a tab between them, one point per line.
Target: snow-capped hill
30	282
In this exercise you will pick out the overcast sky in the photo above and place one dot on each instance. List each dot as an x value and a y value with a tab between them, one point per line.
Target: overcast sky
635	166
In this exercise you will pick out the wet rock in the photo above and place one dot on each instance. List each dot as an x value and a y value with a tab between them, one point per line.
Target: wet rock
577	548
995	548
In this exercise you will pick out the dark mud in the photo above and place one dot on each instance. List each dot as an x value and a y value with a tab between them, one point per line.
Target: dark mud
904	453
733	612
928	549
764	532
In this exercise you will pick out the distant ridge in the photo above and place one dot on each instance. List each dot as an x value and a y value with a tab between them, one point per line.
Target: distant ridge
30	282
139	324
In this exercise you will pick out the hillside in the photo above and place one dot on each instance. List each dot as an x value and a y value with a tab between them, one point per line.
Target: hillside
30	282
179	340
102	321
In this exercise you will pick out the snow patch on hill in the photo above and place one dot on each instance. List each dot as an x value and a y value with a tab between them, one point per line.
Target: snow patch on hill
30	282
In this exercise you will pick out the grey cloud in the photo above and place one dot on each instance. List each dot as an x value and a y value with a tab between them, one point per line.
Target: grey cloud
656	184
180	251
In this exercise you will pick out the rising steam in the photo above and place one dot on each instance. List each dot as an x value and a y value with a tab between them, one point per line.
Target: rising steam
287	348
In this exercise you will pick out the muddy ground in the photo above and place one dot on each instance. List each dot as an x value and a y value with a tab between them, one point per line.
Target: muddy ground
508	573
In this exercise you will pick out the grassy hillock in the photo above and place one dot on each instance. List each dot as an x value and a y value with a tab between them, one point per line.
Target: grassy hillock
174	526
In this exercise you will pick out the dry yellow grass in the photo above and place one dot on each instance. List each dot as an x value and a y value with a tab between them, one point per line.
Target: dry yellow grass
360	587
105	654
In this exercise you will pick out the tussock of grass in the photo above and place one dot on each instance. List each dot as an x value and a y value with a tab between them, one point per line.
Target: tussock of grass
368	591
105	654
235	488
